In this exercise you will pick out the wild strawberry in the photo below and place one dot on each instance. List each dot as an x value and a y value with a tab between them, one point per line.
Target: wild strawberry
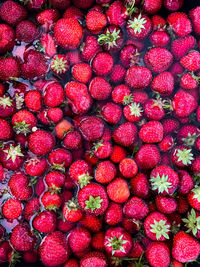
154	109
148	156
128	167
12	13
59	64
99	88
26	31
12	157
22	238
71	211
97	258
92	128
117	242
191	61
31	208
9	68
159	38
139	27
164	180
136	208
79	239
41	142
151	132
140	186
158	59
163	254
118	190
166	205
91	222
93	199
12	209
54	249
33	100
95	21
7	38
47	18
185	247
181	46
138	77
194	15
133	112
51	201
182	156
125	134
6	130
71	32
113	214
111	113
102	63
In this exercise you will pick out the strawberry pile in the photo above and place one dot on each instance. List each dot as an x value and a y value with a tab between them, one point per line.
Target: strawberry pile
99	133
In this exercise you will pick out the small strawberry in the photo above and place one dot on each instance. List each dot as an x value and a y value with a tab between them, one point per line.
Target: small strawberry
99	88
73	12
191	61
9	68
95	21
182	156
35	166
139	27
194	198
138	77
71	211
7	38
181	46
102	63
82	72
113	214
105	172
55	114
51	201
133	112
152	6
12	157
166	205
121	94
26	31
151	132
91	128
117	242
128	167
111	113
148	156
45	222
79	239
163	254
47	45
173	5
118	190
23	121
186	182
136	208
59	64
55	180
12	209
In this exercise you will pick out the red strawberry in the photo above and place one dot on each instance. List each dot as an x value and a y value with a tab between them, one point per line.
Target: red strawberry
128	167
53	95
54	249
138	77
92	128
45	222
33	100
194	199
31	256
7	38
12	13
47	18
79	239
72	140
12	209
95	21
166	205
136	208
117	242
6	130
51	201
105	172
152	6
35	166
163	254
185	247
111	113
22	238
59	64
26	31
82	72
68	32
182	156
194	16
133	112
90	48
99	88
71	211
125	134
31	208
148	156
9	68
73	12
7	106
91	222
55	114
102	63
151	132
154	109
163	83
173	5
121	94
167	143
158	59
60	4
181	46
83	3
118	190
23	121
71	263
129	55
158	22
94	258
191	61
115	14
12	157
113	214
98	240
139	27
159	38
35	4
55	180
93	199
48	44
186	182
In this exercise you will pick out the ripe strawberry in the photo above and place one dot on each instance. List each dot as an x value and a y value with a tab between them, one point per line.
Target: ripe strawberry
82	72
6	130
118	190
128	167
33	100
98	241
11	156
133	112
181	46
139	27
12	209
48	44
68	32
45	222
93	199
7	106
71	263
154	109
51	201
55	180
158	59
102	149
83	3
138	77
26	31
111	113
23	121
186	182
72	140
151	132
185	247
163	83
89	48
172	6
148	156
31	208
115	14
31	256
54	249
94	258
194	15
99	88
62	128
22	238
163	254
191	61
159	38
60	159
55	114
193	198
12	13
92	128
164	180
53	95
113	214
189	81
59	64
79	239
91	222
182	156
60	4
47	18
136	208
73	12
9	68
71	211
181	26
102	64
117	242
125	134
105	172
140	186
151	6
129	55
121	94
7	41
95	21
80	172
166	205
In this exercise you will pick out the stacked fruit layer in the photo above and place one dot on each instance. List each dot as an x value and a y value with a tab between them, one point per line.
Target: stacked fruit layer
99	133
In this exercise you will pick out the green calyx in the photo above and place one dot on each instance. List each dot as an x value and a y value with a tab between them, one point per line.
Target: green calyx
22	127
5	101
137	24
192	222
24	2
59	65
97	145
160	228
109	38
15	258
190	139
13	152
127	99
93	203
185	156
130	7
58	167
160	183
72	204
135	109
196	192
84	179
116	243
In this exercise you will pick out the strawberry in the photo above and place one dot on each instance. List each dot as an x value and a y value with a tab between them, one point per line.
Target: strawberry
105	172
31	208
7	106
152	6
12	13
31	256
83	3
59	64
118	190
55	114
71	263
7	38
95	21
93	199
166	205
191	61
139	27
53	95
11	156
98	240
94	258
6	130
35	4
138	77
12	209
73	12
163	254
128	167
164	180
194	16
99	92
23	121
62	128
182	156
181	26
5	251
47	18
51	201
129	55
125	134
117	242
45	222
80	172
9	68
140	186
26	31
115	14
158	22
181	46
33	100
163	83
22	238
148	156
151	132
193	198
71	211
113	214
186	182
91	222
102	63
72	140
54	249
158	59
187	135
121	94
189	81
60	4
92	128
82	72
185	247
157	226
79	239
55	180
172	6
102	149
48	45
159	38
133	112
64	225
89	48
111	113
136	208
154	109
